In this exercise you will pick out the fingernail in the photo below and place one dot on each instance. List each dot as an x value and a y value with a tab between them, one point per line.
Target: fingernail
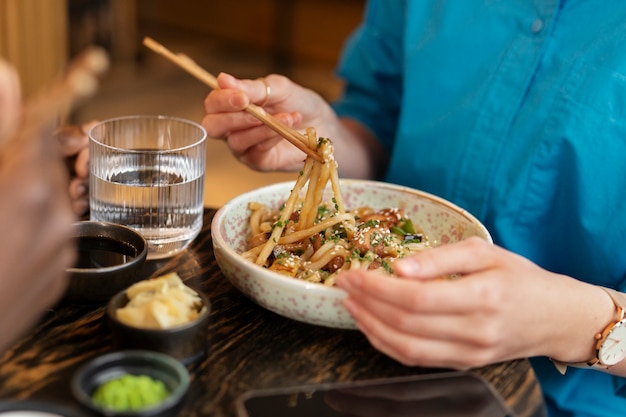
350	306
81	189
407	266
341	281
286	119
348	280
70	142
238	100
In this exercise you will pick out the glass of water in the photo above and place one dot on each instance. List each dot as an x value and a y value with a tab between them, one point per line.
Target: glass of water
147	172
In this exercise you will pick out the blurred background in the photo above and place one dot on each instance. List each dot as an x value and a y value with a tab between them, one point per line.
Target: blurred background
247	38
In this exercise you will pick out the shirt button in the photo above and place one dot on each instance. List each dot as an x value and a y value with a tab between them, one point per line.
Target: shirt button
537	26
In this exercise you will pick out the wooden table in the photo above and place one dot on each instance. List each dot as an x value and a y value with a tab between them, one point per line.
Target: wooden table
248	347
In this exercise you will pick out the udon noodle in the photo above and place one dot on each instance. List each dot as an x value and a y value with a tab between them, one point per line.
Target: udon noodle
313	238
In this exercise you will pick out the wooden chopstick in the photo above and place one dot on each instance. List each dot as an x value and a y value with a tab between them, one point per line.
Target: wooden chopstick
293	136
80	80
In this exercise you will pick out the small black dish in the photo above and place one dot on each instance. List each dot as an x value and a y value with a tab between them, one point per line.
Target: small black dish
137	362
110	259
187	343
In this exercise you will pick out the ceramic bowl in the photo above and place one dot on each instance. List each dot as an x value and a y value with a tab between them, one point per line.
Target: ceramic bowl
110	258
156	365
442	222
187	343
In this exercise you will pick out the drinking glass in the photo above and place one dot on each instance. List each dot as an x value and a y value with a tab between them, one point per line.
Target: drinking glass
147	172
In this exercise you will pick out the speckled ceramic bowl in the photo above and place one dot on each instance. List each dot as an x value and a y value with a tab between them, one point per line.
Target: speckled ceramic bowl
442	221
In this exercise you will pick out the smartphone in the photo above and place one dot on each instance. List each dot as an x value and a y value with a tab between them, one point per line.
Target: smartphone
447	394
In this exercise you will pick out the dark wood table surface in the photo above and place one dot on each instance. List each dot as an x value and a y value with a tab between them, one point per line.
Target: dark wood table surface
248	347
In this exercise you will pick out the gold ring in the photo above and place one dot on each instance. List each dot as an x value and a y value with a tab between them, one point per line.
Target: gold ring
268	91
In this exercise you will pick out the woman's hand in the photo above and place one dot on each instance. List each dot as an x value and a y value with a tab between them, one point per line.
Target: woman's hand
251	142
256	145
74	143
502	307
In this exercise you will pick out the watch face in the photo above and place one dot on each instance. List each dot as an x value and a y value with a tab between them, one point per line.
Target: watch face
613	350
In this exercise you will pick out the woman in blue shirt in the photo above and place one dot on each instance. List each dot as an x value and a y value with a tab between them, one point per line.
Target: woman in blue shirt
512	109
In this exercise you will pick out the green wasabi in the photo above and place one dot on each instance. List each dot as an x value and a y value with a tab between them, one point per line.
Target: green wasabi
130	393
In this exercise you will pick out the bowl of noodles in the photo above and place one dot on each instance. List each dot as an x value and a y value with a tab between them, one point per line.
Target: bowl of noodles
284	244
312	297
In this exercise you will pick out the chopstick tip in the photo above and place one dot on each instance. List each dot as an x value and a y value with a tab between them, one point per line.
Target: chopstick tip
152	44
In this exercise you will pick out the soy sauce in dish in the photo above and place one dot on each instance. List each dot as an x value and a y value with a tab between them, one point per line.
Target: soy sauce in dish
102	252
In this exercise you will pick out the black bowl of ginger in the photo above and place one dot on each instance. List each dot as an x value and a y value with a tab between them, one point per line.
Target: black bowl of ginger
137	320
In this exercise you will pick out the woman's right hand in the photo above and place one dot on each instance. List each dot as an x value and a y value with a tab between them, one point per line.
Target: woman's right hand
253	143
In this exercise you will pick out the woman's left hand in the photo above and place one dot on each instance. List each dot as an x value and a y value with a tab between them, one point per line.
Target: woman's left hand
501	307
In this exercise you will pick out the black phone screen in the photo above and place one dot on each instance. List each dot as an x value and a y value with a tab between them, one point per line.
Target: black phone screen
449	394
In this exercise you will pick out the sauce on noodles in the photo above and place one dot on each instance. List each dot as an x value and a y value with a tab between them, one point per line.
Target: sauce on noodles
311	239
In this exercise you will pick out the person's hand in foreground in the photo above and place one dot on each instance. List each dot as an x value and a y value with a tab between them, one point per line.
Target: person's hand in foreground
35	216
256	145
502	307
74	142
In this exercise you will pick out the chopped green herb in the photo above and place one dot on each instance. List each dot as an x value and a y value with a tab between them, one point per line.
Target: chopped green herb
397	230
372	223
387	267
407	226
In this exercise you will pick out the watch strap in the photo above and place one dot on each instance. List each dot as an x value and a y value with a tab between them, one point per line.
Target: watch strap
594	362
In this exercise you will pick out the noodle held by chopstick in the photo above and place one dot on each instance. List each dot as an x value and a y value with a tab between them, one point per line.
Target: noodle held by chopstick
313	237
316	175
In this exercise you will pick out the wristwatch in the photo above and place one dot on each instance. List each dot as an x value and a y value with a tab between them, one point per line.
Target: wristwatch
610	342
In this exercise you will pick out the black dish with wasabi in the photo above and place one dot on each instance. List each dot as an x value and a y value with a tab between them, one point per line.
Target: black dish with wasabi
132	383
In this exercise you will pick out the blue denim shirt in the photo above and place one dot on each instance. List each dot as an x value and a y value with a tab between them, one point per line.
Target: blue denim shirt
516	111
